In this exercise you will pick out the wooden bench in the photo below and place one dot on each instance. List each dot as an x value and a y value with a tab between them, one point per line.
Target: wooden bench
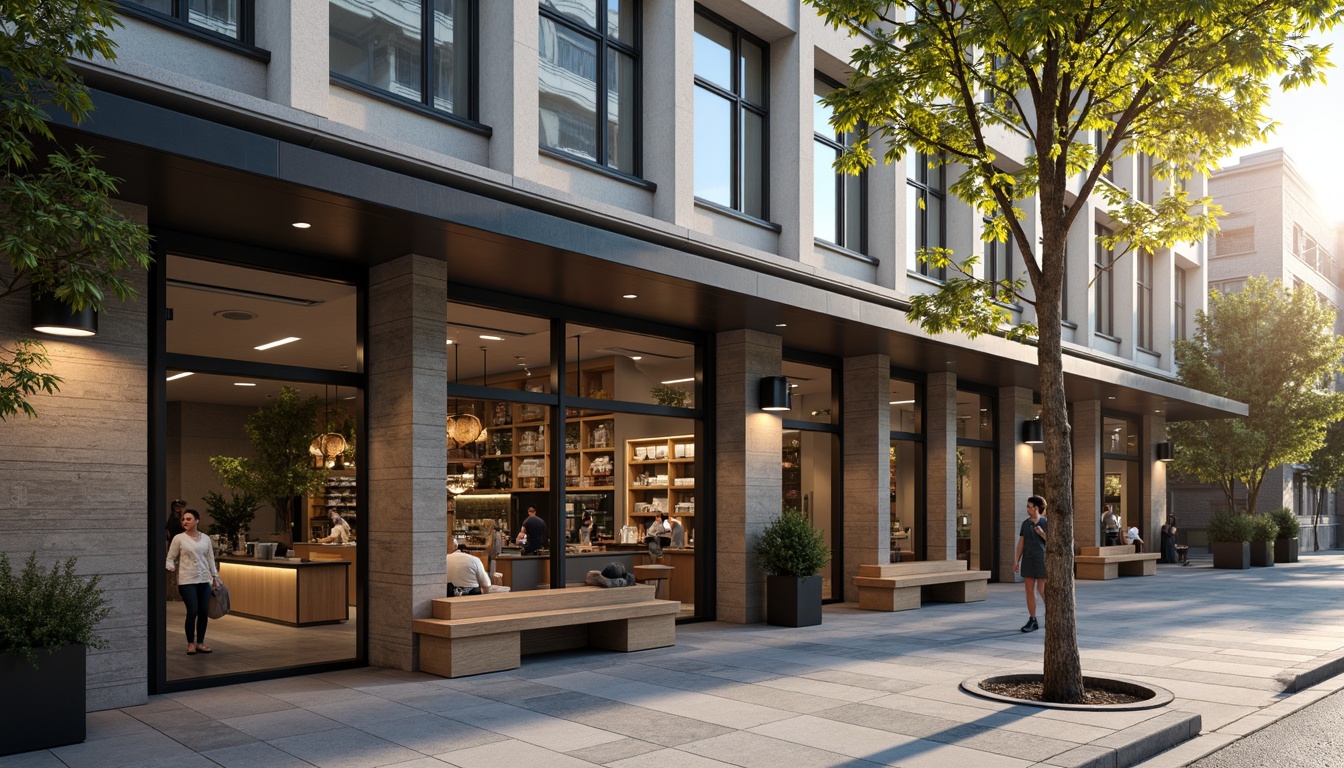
474	634
1111	562
903	586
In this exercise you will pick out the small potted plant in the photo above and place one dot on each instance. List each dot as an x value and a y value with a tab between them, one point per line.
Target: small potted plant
1263	533
1229	538
47	620
1285	546
791	552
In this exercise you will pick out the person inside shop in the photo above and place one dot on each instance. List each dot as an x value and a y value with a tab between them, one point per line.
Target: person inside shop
191	556
466	575
532	537
1110	524
340	530
1030	560
678	533
494	544
1132	537
584	533
661	530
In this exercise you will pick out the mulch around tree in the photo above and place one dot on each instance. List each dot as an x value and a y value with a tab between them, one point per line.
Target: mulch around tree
1031	691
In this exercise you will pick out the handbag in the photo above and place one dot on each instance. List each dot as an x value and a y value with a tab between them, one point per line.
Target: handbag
219	602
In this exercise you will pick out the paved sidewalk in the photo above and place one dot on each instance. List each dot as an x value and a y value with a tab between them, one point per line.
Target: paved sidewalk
863	689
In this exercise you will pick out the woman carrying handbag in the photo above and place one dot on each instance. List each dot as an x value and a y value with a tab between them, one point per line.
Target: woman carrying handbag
192	557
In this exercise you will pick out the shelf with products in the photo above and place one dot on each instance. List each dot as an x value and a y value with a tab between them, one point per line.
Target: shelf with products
660	477
340	494
791	469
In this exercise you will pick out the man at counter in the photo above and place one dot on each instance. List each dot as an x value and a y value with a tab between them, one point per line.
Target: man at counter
534	532
340	531
466	575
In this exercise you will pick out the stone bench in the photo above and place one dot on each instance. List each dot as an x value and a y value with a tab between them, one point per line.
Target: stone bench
1111	562
474	634
904	586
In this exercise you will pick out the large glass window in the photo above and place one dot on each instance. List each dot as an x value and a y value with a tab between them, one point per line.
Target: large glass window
417	50
975	480
999	266
730	115
906	459
1104	285
222	17
1178	306
1145	286
926	216
810	462
587	80
1121	476
838	199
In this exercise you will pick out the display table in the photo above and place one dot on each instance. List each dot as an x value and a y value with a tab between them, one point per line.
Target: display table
287	591
343	552
524	572
658	574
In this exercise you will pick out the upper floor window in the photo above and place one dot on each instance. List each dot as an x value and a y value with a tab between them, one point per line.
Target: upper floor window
222	17
587	81
926	217
999	266
839	200
1145	186
730	116
1178	308
1145	285
421	51
1104	286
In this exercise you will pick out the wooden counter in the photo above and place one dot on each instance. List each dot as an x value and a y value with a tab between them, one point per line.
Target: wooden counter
342	552
525	572
287	591
681	586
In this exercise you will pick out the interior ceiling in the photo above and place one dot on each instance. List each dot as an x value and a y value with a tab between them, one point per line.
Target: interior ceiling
231	205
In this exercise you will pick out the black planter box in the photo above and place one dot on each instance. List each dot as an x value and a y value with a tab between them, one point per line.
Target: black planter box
1262	554
1285	550
1231	554
44	707
793	602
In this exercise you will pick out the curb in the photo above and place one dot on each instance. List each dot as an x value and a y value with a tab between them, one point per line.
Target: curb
1315	675
1133	745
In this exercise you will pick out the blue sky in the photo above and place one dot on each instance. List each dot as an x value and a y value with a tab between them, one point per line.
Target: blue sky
1310	123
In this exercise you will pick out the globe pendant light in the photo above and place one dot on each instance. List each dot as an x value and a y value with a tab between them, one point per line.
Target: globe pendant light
463	428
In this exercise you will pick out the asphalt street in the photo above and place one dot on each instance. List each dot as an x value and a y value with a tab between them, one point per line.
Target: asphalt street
1310	738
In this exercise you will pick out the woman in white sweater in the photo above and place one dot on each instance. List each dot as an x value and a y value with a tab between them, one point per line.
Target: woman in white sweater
192	556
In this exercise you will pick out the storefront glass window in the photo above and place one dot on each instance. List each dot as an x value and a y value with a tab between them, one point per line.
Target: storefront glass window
1119	436
975	416
907	412
813	396
607	364
809	461
907	500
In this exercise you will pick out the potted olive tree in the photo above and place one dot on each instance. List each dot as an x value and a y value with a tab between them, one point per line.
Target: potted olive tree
1285	546
47	620
1229	538
1263	533
791	552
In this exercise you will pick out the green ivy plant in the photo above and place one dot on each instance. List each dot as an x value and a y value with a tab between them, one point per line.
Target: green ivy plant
790	546
47	610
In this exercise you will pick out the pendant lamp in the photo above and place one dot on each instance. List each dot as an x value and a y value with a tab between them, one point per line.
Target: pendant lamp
463	428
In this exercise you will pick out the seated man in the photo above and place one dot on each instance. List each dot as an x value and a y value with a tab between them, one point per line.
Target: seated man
1132	537
466	575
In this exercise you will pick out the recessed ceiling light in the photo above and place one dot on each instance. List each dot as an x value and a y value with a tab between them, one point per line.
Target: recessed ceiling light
679	381
243	384
488	337
781	325
301	225
641	357
352	397
236	314
276	343
1159	410
629	296
1110	397
793	385
450	341
181	375
900	402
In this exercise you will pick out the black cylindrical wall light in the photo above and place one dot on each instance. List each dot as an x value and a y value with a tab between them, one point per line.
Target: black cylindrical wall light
1032	433
1166	451
52	316
775	395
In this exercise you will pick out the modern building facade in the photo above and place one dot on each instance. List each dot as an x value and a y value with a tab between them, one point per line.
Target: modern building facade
621	218
1274	227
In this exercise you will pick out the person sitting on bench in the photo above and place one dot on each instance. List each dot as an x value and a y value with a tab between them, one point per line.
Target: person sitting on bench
466	575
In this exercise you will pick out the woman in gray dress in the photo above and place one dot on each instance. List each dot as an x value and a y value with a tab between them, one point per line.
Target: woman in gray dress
1030	560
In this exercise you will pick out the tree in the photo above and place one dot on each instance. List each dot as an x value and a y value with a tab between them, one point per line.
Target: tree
59	233
1275	350
1079	83
1326	470
281	469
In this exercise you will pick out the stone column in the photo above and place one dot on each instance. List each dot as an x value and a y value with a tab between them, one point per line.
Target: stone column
407	526
669	119
1087	465
867	470
509	67
940	435
1016	460
1154	502
298	35
748	476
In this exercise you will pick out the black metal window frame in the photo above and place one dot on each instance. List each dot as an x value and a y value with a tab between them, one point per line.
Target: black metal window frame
920	544
1104	287
927	183
999	266
605	45
1178	305
1145	291
740	104
1145	187
835	429
179	20
429	73
837	142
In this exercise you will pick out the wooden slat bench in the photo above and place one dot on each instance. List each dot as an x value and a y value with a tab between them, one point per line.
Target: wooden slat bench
902	586
1110	562
474	634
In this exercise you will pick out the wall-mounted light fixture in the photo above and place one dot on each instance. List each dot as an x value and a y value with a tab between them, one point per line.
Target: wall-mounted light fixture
775	394
54	317
1032	432
1166	451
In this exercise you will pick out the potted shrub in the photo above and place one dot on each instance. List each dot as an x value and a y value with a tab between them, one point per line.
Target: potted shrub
230	517
1229	538
1285	546
1263	533
47	621
791	552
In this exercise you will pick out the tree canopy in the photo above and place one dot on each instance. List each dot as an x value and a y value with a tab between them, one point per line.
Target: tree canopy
1030	102
1274	349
